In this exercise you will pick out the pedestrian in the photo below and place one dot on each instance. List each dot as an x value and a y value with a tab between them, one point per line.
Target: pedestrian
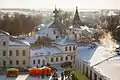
42	74
70	77
73	77
62	76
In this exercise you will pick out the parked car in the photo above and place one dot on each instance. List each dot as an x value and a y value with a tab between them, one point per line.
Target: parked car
23	69
66	64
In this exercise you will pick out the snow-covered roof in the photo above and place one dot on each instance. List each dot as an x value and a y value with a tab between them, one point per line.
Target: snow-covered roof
29	39
56	25
44	50
41	31
93	54
110	68
16	42
85	28
64	41
4	33
48	25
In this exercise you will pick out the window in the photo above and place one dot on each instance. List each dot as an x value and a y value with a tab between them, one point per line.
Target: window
86	71
4	43
33	61
71	57
43	62
47	35
54	32
95	76
73	48
23	62
17	62
83	68
75	36
4	63
38	61
69	48
10	62
73	33
61	58
24	52
65	48
57	37
66	58
17	52
52	59
90	74
56	59
10	53
4	53
100	78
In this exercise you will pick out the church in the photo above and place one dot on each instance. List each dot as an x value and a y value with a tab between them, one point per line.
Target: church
57	29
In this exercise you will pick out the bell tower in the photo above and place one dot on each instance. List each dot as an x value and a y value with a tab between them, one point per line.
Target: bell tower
76	21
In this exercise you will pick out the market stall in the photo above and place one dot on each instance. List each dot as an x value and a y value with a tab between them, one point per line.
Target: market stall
12	72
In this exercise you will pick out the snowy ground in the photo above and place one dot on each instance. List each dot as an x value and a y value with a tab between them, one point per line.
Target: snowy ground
22	77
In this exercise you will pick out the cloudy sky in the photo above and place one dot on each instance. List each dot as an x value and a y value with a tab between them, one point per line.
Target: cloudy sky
64	4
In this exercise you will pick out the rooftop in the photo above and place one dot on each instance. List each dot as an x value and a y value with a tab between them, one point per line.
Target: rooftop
16	42
94	53
64	41
44	50
4	33
103	60
110	68
29	39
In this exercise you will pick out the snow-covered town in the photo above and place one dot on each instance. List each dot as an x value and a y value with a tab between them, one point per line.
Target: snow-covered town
55	52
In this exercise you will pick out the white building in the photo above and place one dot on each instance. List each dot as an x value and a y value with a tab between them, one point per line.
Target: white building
13	53
97	62
52	30
78	33
62	50
78	30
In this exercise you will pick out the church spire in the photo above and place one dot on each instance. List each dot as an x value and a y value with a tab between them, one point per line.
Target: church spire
56	14
76	20
55	11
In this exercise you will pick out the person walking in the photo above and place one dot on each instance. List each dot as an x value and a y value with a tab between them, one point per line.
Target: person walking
62	76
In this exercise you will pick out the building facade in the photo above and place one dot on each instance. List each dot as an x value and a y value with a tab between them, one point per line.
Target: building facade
52	30
62	50
89	57
13	53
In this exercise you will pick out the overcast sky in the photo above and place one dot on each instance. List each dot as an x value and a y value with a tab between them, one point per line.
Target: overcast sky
64	4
